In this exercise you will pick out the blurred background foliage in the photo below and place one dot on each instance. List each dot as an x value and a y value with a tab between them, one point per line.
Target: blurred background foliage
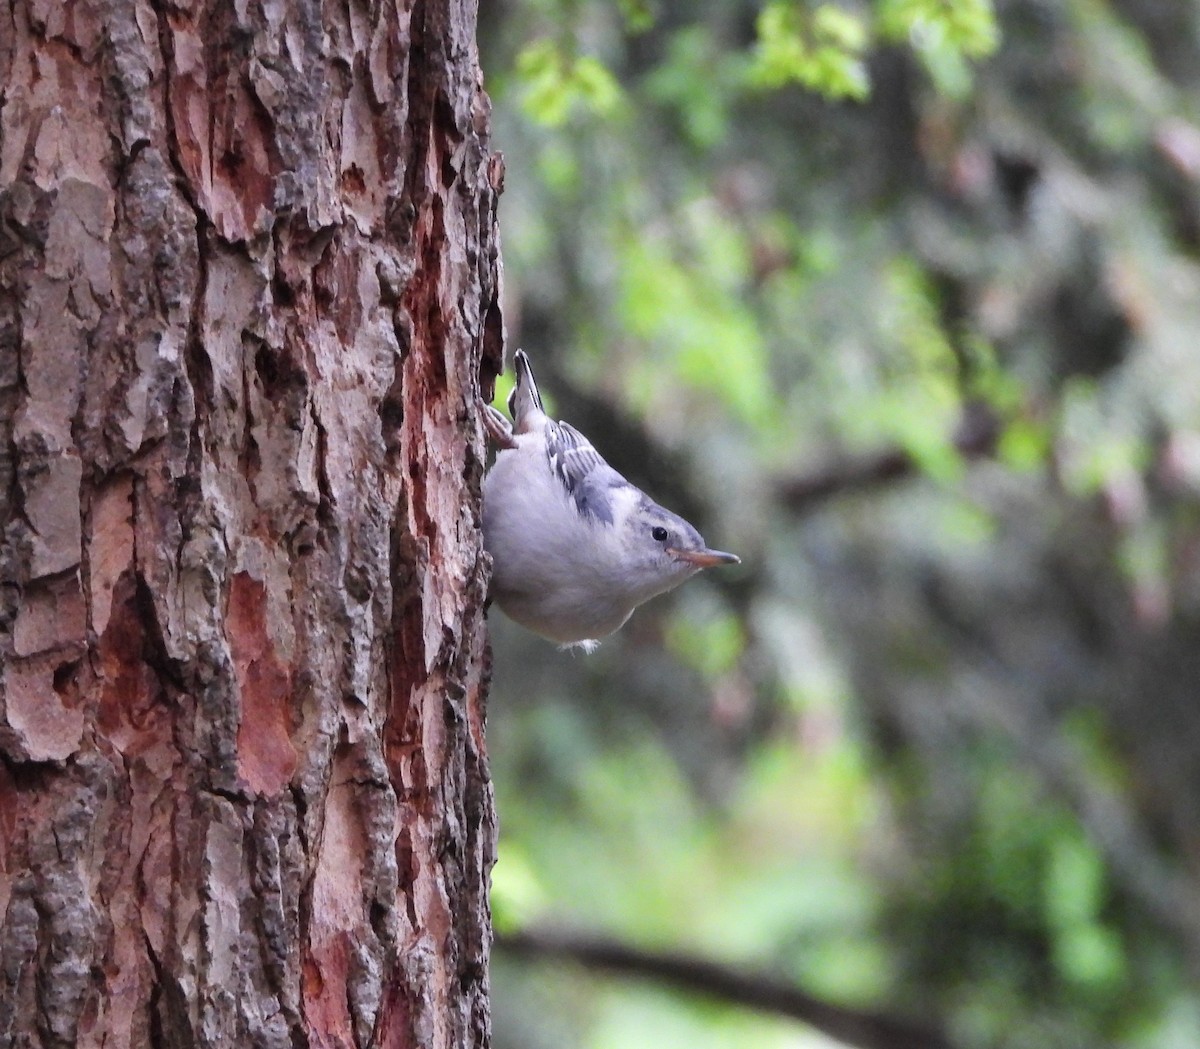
898	300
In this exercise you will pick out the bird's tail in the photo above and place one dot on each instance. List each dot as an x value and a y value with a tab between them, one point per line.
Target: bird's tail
524	402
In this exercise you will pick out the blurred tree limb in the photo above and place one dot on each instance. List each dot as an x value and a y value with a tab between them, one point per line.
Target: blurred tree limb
976	437
863	1028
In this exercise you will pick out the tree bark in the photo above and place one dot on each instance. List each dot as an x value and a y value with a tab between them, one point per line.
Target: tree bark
248	298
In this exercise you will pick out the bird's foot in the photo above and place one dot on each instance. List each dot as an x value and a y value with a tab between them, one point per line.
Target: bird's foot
498	428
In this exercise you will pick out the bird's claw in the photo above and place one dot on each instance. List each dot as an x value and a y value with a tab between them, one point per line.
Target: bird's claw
498	428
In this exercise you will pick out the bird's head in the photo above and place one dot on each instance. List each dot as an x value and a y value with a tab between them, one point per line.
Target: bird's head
660	549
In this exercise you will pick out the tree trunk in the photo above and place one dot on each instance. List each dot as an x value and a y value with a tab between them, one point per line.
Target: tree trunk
248	296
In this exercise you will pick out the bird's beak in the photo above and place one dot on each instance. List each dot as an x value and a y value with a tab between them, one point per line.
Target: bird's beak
705	558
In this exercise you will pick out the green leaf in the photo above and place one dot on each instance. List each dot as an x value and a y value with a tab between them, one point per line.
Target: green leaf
694	318
639	15
967	26
1090	955
596	86
698	81
822	53
1074	882
944	34
557	85
1024	445
839	28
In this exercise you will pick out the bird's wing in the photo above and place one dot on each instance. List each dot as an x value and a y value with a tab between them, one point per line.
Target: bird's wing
583	472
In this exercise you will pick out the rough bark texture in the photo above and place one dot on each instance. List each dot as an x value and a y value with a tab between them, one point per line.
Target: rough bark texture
248	294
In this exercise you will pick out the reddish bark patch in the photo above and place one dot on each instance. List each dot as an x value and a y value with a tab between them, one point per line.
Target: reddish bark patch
266	757
225	137
395	1017
335	287
324	982
131	690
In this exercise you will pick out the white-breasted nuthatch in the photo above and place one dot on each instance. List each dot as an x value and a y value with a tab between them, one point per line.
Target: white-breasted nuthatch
575	547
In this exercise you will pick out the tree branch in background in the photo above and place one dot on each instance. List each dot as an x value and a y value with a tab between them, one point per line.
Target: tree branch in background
862	1028
976	437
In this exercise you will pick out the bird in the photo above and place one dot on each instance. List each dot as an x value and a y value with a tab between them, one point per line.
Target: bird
575	547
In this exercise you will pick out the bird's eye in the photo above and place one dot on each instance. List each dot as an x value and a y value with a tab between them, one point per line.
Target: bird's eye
658	534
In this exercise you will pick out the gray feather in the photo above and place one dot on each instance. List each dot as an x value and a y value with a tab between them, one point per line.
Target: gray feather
588	479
